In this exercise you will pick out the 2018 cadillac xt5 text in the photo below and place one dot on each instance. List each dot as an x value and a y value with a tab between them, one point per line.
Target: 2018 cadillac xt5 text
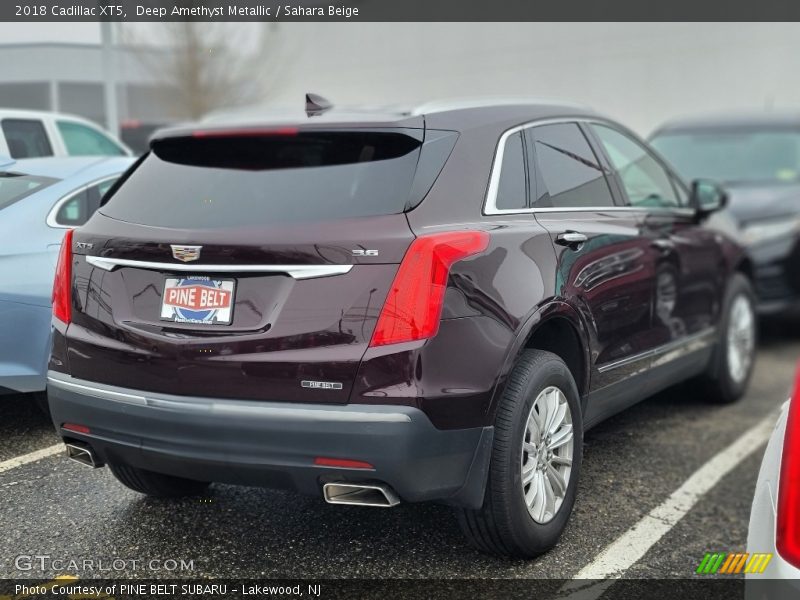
391	307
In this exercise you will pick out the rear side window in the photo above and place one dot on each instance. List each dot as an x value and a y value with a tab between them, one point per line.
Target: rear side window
26	138
212	182
511	188
568	172
81	140
14	186
78	207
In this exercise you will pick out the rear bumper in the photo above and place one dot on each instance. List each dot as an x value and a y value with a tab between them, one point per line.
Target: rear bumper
24	345
274	444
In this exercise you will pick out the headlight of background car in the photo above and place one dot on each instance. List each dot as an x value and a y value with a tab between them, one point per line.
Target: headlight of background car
764	231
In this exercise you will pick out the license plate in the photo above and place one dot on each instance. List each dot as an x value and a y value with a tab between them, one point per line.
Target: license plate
199	300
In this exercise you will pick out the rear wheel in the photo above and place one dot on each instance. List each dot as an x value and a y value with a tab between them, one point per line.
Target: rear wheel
732	364
535	461
156	484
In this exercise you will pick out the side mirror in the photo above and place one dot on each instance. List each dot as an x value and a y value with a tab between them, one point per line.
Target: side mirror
707	197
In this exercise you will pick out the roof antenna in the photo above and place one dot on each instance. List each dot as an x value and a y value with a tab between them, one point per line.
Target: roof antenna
316	105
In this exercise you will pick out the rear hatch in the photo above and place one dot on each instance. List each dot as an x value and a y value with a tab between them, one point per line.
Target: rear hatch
247	265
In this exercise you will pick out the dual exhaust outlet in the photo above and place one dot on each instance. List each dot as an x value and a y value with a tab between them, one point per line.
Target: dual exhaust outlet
376	494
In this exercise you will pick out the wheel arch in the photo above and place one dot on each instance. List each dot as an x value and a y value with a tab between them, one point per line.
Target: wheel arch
558	328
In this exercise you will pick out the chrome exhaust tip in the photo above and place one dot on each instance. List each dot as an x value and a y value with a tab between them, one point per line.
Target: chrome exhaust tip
82	454
364	495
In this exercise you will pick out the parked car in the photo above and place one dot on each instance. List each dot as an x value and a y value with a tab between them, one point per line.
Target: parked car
386	307
36	134
39	200
757	158
136	134
774	527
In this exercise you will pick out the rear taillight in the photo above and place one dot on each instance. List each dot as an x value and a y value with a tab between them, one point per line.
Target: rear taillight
787	531
62	284
414	304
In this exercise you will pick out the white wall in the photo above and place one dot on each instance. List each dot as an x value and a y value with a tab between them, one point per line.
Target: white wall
639	73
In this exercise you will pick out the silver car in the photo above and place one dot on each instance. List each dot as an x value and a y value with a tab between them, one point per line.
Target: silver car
775	515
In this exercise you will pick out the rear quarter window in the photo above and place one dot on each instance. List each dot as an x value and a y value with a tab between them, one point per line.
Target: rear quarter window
214	182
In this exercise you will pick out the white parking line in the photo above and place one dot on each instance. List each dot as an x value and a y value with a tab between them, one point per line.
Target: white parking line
18	461
634	543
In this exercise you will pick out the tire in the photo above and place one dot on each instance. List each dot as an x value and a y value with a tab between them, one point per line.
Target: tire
726	378
504	525
156	484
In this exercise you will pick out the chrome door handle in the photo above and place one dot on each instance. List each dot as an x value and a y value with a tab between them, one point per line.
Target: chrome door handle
572	239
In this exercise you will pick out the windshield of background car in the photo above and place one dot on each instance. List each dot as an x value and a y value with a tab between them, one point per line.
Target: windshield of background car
214	181
733	155
15	186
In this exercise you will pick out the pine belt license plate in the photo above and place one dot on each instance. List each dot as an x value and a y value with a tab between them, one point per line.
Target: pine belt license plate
198	300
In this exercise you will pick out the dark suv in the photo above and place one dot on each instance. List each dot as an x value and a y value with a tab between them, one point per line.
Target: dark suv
756	156
377	308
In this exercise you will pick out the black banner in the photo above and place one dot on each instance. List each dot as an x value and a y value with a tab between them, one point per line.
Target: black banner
699	588
397	10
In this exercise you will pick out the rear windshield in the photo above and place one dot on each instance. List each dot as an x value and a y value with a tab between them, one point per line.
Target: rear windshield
213	182
15	186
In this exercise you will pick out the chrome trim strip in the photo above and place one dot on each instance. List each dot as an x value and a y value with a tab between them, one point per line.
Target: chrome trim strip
296	271
225	407
97	392
663	349
490	204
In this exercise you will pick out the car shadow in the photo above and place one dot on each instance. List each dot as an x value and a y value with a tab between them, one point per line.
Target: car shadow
23	427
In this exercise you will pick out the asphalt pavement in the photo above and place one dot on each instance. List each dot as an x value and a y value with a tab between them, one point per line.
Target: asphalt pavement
632	463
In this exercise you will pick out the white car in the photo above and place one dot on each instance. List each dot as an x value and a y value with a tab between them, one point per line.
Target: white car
775	515
36	134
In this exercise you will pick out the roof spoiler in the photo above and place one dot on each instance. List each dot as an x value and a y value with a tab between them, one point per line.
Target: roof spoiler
316	105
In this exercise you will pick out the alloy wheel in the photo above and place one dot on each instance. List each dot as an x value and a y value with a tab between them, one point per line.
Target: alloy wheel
741	338
547	449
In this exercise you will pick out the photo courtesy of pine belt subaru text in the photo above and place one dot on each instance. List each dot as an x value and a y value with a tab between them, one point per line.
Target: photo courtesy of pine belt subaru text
382	307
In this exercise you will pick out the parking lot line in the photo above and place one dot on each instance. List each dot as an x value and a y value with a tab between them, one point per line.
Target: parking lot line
18	461
634	543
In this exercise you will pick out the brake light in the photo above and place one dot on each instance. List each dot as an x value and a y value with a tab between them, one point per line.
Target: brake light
787	533
414	304
62	284
245	132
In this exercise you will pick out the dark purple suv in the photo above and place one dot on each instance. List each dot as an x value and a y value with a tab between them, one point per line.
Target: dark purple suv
391	307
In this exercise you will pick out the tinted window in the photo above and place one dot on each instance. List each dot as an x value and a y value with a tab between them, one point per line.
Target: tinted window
14	187
734	155
511	188
569	174
646	182
26	138
81	140
212	182
77	210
